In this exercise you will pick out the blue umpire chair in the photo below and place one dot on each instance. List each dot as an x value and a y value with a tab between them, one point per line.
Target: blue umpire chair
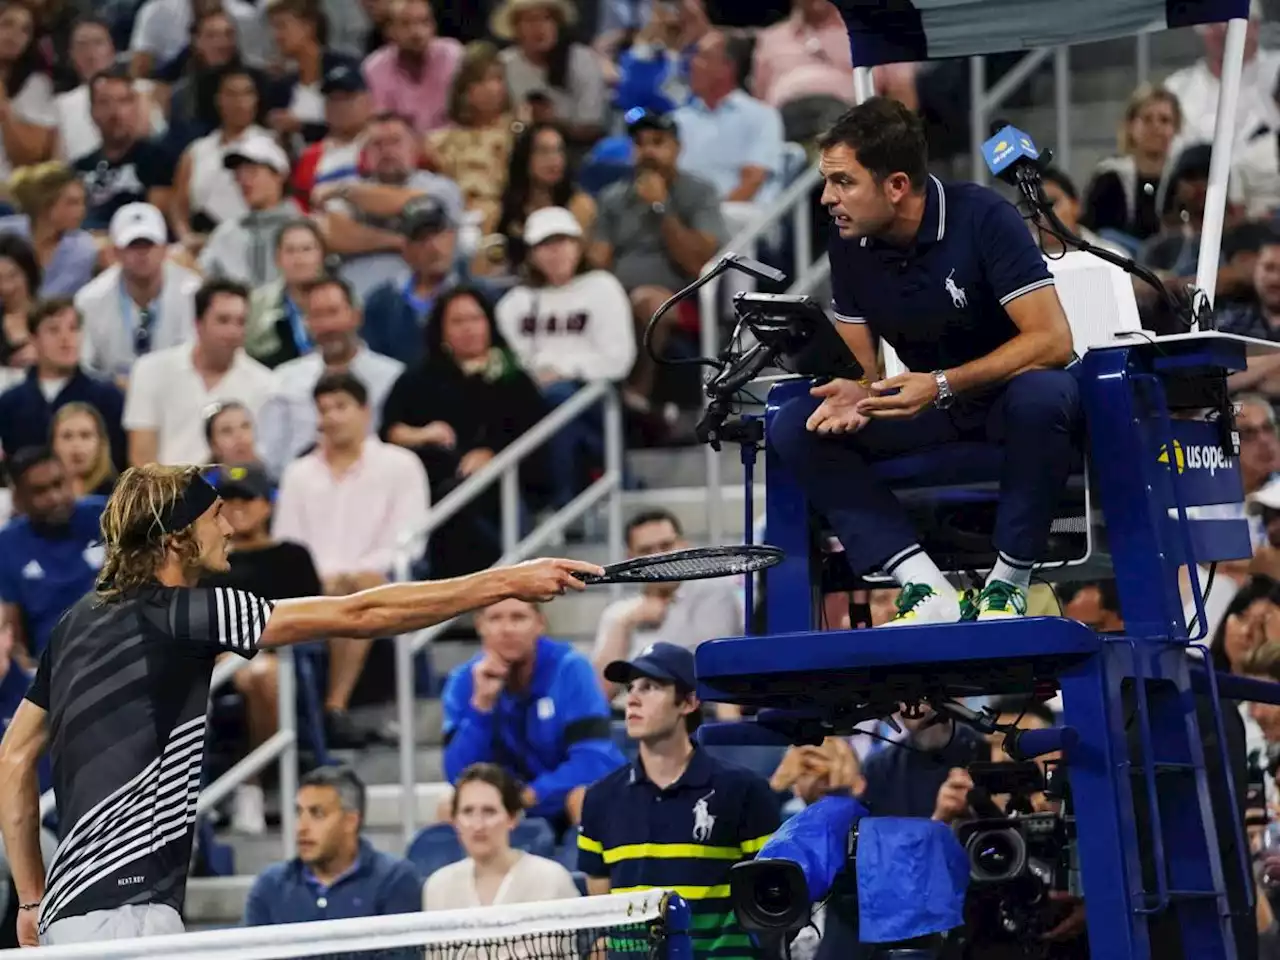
1136	736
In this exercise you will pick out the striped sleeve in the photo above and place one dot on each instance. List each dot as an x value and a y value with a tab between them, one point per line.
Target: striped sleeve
219	619
844	301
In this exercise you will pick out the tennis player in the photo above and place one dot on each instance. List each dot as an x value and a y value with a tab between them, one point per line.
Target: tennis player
122	692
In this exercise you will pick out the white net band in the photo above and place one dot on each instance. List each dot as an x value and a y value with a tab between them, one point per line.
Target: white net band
549	930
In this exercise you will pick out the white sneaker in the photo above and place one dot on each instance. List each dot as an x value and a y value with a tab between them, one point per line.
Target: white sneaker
919	603
1001	601
249	810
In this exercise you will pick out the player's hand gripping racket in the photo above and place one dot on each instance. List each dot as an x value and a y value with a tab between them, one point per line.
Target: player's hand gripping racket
695	563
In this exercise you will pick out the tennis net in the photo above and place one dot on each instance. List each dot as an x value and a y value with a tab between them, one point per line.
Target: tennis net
630	926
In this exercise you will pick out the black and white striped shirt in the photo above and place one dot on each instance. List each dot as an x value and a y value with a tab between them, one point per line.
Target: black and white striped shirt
126	687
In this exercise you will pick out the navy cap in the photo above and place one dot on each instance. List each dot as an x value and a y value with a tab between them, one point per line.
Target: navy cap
246	481
638	118
342	79
425	215
666	662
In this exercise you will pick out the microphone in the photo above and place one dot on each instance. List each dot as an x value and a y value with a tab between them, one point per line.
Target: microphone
1011	155
761	271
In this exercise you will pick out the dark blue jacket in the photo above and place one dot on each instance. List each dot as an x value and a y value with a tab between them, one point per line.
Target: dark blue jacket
394	327
553	736
376	885
26	416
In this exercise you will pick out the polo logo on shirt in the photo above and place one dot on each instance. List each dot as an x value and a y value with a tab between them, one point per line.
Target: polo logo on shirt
33	571
94	555
704	821
546	708
959	299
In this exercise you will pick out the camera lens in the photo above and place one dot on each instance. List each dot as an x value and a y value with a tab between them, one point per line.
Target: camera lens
773	899
996	856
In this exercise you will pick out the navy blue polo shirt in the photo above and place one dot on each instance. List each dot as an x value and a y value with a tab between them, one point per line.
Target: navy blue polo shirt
43	575
684	838
376	885
940	302
26	415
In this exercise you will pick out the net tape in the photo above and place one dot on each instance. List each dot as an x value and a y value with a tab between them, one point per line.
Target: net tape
589	927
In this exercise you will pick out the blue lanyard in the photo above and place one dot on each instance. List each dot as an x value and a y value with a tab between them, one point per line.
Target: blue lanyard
301	336
419	305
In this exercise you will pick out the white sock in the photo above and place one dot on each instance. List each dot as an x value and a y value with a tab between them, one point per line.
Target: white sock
913	565
1011	570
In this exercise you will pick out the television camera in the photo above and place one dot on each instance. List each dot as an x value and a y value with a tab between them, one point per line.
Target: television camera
1000	868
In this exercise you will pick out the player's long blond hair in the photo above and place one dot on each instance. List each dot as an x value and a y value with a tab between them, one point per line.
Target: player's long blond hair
133	553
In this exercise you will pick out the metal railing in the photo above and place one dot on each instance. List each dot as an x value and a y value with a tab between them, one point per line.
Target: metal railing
282	747
504	470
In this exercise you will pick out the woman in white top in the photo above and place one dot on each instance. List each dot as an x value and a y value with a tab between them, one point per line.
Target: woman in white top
486	808
29	114
204	192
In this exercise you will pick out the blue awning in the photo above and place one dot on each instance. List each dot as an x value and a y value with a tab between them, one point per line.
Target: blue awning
892	31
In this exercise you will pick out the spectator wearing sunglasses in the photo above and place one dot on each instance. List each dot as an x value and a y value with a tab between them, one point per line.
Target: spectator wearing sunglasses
143	303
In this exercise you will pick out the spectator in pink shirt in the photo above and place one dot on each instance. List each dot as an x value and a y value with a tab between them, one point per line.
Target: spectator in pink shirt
412	74
348	502
803	66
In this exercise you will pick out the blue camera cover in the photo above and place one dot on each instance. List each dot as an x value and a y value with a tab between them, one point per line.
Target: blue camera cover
912	879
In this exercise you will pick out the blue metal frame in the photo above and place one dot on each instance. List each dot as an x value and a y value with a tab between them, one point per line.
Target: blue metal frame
1145	787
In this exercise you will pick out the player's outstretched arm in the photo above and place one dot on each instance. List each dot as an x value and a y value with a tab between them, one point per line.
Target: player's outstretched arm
404	607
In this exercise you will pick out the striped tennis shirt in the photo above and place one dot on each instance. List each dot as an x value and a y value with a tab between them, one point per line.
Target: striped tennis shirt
683	838
126	687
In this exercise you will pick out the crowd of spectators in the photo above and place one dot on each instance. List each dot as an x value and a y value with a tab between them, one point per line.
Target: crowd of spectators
348	252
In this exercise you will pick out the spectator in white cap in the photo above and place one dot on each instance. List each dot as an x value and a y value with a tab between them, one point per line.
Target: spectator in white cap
568	325
243	248
142	303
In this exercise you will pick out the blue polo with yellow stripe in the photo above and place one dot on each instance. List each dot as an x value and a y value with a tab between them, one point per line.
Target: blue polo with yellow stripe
683	838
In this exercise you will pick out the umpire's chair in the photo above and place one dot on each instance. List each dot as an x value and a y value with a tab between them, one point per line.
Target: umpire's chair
951	491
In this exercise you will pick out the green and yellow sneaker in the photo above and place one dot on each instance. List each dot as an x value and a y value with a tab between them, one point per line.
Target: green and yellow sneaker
968	604
919	603
1000	601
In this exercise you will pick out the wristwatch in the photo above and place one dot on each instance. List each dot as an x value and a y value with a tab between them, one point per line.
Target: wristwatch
945	397
659	208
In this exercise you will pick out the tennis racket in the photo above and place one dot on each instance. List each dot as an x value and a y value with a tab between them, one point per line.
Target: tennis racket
695	563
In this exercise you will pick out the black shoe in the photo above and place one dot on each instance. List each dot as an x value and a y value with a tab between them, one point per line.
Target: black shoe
341	732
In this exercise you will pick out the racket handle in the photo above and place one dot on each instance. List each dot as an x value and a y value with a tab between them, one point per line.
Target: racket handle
588	577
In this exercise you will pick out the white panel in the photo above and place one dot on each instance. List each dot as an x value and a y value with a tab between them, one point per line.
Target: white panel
1097	297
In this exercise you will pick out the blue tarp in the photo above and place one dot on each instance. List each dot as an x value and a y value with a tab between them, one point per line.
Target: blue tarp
893	31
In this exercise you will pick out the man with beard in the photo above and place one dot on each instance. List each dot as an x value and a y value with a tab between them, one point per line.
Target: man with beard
412	74
1261	320
49	554
361	218
287	423
655	233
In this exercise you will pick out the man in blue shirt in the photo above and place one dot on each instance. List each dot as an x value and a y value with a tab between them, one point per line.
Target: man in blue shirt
50	555
949	275
56	379
533	706
337	874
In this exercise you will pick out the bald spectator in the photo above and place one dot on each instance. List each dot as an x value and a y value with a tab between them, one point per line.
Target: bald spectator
243	248
726	135
413	73
361	218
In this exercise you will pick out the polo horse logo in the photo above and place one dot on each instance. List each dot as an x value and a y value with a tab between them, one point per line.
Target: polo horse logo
959	299
704	820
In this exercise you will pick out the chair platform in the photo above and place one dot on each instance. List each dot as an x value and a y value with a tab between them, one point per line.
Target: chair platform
836	668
